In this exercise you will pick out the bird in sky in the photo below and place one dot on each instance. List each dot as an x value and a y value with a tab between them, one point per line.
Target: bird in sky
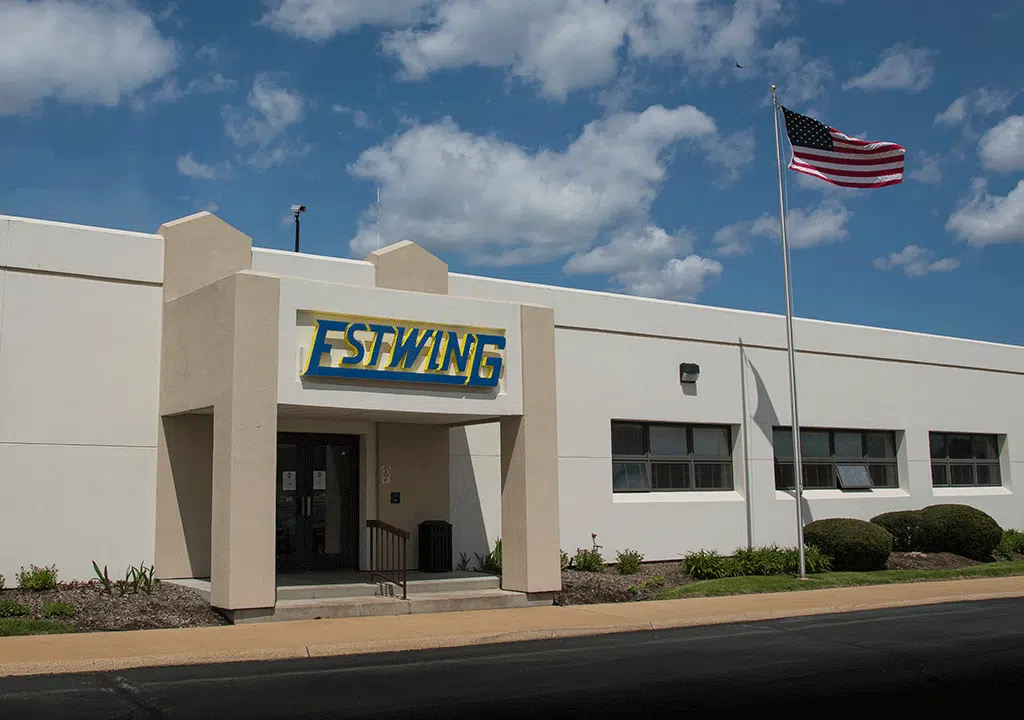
739	66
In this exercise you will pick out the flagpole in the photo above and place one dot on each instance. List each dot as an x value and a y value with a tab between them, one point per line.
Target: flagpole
798	475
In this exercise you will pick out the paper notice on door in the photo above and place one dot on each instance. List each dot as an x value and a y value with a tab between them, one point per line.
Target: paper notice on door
288	480
320	480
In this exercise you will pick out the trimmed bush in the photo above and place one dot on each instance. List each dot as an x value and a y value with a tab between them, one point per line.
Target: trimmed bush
814	560
629	562
853	545
906	528
961	530
2	581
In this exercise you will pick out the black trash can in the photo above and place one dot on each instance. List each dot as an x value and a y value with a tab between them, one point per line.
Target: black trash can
435	546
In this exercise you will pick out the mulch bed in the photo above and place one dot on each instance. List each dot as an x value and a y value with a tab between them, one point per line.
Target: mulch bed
587	588
608	586
928	561
169	606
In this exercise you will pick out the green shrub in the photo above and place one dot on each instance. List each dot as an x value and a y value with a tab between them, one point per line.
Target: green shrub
1012	542
706	565
57	609
588	561
12	608
961	530
565	559
769	560
906	527
629	562
815	560
855	545
38	578
2	581
655	581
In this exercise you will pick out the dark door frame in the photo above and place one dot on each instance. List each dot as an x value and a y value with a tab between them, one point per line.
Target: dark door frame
305	508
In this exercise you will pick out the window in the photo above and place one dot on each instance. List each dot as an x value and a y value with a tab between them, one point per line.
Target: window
844	459
657	457
964	460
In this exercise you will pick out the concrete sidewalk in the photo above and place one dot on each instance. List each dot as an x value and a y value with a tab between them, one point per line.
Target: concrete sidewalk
49	654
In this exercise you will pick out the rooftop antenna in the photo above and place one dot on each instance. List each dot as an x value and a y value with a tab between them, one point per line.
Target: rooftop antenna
378	217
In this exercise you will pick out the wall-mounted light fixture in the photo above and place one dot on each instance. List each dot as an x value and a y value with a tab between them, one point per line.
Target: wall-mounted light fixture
688	373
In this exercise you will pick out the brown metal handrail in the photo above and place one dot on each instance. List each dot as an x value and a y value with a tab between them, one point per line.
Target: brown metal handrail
388	558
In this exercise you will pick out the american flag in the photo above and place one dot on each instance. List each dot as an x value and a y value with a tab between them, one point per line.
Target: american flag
837	158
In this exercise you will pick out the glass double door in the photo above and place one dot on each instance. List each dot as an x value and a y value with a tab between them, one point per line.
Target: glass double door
317	502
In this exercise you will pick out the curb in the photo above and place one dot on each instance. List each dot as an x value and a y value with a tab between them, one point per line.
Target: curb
294	652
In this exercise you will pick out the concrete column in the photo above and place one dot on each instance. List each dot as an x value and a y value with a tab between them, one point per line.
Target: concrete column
242	572
530	540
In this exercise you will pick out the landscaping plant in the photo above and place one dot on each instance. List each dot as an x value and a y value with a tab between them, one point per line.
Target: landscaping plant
104	578
706	565
958	529
588	561
463	562
57	610
853	545
12	608
491	563
565	559
628	562
38	578
1011	543
1	582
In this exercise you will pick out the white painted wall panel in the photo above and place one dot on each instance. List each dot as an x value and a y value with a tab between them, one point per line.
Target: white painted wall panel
80	250
70	505
80	361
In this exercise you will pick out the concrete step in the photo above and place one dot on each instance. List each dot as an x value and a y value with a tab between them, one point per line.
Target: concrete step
345	607
416	588
321	592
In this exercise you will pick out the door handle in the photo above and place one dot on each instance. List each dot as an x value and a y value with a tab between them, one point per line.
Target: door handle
309	506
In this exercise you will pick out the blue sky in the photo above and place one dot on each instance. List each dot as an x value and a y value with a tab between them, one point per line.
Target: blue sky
603	144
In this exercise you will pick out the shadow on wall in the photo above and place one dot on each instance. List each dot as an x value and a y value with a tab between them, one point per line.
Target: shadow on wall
469	528
766	418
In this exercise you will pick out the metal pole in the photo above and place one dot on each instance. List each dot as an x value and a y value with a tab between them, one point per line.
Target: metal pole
378	217
798	479
296	232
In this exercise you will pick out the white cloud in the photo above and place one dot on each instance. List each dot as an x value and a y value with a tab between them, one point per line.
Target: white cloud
91	53
984	219
562	45
271	111
928	170
802	79
649	261
916	261
1002	148
278	155
170	91
190	167
898	68
502	205
322	19
733	153
982	101
631	248
359	118
808	227
805	228
678	280
955	114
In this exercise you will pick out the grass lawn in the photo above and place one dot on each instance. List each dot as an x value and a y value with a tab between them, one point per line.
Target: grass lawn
785	583
20	626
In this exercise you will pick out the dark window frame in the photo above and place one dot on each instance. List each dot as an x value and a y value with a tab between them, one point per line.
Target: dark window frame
947	464
691	462
824	470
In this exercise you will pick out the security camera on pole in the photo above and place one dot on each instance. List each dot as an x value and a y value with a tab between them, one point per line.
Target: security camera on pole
297	210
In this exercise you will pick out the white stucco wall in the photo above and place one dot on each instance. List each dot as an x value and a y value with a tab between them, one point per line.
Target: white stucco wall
79	372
